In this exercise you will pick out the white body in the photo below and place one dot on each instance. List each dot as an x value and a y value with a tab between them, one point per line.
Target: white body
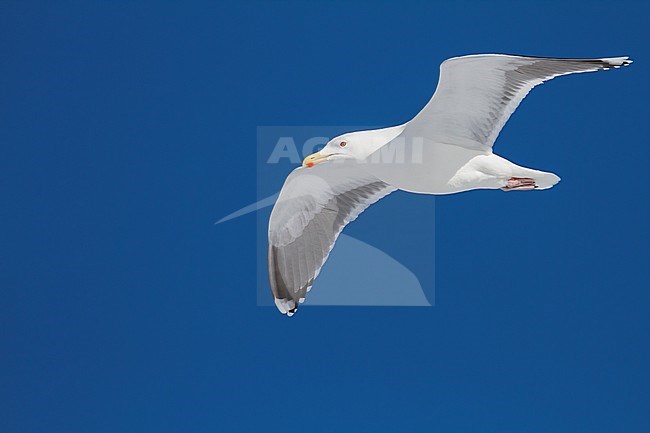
436	168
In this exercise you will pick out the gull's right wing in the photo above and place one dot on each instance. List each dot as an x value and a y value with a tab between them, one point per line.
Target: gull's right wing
315	204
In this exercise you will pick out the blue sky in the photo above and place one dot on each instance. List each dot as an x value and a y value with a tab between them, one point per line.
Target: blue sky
128	129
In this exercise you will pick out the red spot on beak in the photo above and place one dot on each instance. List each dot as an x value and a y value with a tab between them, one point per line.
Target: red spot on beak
310	164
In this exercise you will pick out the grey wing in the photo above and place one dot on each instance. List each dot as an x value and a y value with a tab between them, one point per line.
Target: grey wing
313	208
477	94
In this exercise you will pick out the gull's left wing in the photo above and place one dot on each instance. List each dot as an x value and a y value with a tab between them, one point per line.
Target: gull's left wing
314	206
477	94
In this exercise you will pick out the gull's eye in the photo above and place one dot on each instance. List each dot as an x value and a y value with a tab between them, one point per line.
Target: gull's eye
343	143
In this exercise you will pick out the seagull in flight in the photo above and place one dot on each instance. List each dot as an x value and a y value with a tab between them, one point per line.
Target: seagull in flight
446	148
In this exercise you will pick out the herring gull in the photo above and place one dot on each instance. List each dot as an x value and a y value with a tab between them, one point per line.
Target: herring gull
446	148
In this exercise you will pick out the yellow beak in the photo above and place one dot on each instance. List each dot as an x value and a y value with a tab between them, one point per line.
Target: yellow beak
314	159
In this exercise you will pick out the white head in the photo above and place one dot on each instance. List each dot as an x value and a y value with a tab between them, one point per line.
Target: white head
353	145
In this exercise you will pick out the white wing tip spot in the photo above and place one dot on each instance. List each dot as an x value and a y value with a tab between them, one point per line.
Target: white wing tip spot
287	306
617	62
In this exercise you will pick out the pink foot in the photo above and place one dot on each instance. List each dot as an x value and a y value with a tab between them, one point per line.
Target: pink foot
520	184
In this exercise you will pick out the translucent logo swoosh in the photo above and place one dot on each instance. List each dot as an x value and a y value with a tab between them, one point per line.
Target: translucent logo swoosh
254	207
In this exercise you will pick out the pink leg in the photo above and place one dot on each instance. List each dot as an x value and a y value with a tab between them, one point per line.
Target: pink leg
520	184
